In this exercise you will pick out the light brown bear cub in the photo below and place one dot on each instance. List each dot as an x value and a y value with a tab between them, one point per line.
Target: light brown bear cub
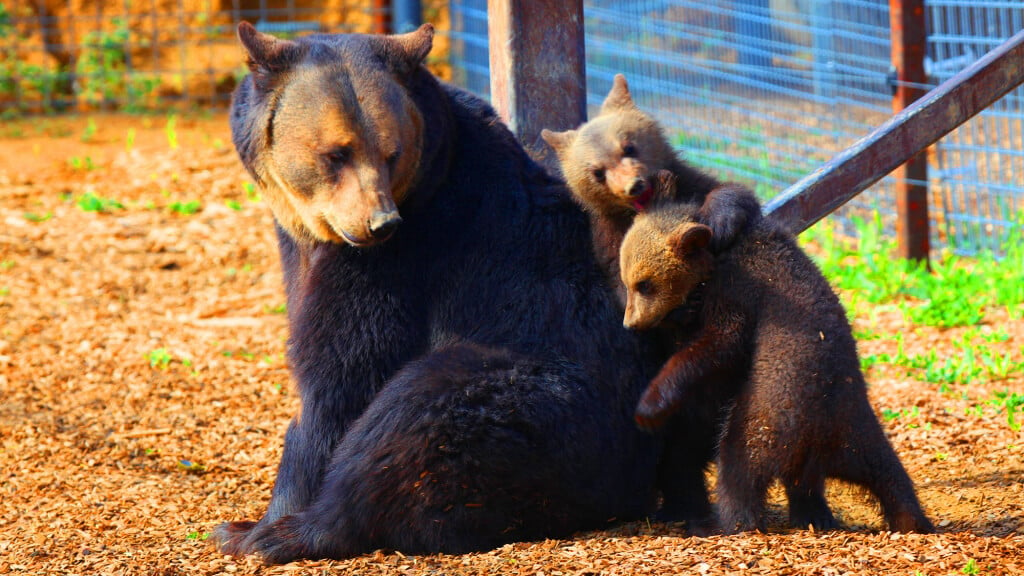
608	163
802	414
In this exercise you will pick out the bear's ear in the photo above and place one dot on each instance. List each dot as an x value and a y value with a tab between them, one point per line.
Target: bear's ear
403	53
559	141
688	239
266	55
664	184
619	97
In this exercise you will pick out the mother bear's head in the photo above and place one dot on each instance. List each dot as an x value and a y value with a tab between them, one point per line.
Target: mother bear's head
326	127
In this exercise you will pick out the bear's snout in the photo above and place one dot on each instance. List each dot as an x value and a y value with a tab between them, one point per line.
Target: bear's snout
382	224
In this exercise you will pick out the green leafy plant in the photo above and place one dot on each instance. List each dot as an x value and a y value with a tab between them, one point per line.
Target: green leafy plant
971	567
90	202
250	191
34	217
90	130
81	163
159	358
186	208
104	74
171	131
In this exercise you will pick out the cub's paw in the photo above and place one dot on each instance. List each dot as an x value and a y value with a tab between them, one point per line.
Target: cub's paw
658	403
230	537
728	211
650	418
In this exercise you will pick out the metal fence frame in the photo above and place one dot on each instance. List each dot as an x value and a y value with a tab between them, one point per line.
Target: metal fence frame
760	93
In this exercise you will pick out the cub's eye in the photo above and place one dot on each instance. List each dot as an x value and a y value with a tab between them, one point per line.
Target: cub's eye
629	151
392	159
598	175
644	288
338	157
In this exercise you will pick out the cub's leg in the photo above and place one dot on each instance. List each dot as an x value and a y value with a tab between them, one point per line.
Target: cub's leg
746	468
866	458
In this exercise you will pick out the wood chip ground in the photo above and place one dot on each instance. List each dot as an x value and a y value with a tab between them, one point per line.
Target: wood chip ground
144	392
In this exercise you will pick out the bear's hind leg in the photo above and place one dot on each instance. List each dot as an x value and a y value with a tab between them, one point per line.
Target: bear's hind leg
745	470
869	460
807	504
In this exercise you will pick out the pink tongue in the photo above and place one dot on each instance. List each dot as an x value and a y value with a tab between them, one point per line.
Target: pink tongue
640	202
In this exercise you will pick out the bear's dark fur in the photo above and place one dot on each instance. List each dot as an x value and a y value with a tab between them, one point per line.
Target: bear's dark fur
802	415
466	382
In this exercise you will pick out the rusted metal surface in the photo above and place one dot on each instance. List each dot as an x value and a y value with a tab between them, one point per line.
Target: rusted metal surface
933	116
907	25
381	16
537	68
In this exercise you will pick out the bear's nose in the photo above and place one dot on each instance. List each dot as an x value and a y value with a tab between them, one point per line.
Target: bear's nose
383	224
636	187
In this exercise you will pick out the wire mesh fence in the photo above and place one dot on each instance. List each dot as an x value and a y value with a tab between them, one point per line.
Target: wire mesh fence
764	91
134	55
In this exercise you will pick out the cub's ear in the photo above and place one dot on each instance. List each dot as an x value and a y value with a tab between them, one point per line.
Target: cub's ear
266	55
619	97
688	239
664	184
403	53
559	141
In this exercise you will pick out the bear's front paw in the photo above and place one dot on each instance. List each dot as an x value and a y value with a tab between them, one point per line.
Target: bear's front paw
281	542
230	537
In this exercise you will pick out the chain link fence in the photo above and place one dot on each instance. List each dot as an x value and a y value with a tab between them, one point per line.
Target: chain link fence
764	91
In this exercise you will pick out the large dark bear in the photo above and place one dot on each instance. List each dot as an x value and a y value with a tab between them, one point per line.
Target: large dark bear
464	375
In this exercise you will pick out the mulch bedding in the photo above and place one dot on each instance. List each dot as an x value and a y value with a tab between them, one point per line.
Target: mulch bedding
145	393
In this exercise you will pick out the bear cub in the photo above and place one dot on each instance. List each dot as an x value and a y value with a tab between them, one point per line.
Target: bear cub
802	413
608	164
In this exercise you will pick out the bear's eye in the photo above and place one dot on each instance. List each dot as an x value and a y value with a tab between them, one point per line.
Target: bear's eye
629	151
392	159
338	157
644	288
598	175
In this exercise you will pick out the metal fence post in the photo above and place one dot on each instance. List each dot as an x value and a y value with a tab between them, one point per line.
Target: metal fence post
406	15
907	24
537	68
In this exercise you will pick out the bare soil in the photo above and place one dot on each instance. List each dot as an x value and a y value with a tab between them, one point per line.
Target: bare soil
145	393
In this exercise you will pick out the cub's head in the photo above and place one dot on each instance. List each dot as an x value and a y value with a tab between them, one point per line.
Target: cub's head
663	257
327	128
608	161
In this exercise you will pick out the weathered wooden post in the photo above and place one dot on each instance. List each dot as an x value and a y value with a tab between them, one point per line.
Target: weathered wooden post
537	68
907	26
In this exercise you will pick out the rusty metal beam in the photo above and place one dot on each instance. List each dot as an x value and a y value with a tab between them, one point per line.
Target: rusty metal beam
381	11
537	68
872	157
907	25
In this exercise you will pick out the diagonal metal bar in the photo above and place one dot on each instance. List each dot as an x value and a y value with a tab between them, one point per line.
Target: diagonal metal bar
918	126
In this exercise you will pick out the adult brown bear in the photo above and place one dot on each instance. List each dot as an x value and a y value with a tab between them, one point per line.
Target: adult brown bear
464	376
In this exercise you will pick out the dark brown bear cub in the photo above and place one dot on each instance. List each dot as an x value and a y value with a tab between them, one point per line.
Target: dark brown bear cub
802	415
